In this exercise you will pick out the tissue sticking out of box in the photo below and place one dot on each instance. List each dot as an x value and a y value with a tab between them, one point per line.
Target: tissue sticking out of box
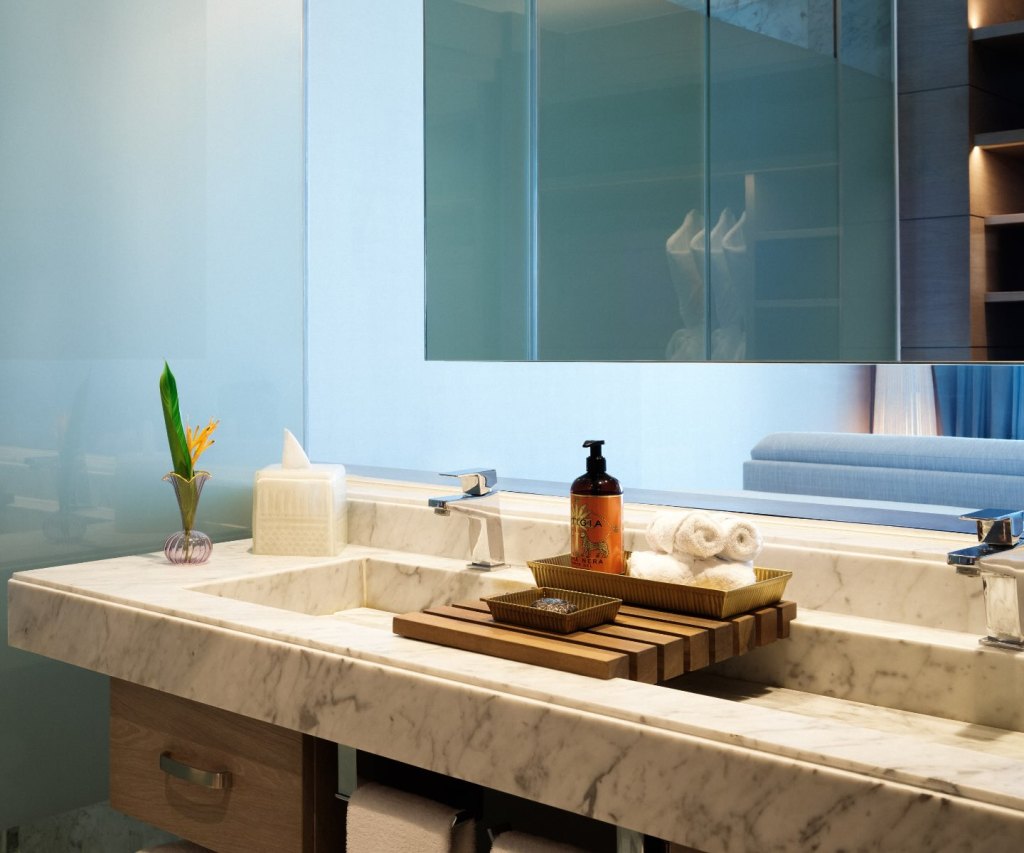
292	454
299	508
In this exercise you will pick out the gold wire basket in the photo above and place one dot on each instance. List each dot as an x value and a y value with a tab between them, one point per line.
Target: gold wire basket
677	598
514	607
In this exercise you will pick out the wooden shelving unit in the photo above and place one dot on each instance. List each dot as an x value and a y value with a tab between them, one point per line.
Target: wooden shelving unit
997	173
1005	296
1001	140
1004	219
1008	34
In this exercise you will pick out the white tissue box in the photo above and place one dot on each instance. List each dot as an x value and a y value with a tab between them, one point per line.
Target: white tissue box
300	511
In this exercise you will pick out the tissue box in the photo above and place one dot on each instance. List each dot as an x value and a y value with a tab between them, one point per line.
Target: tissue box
300	511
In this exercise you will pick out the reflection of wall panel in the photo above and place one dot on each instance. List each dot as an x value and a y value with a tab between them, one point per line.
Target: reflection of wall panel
620	149
935	309
695	164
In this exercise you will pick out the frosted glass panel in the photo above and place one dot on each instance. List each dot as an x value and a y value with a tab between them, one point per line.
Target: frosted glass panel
620	181
151	156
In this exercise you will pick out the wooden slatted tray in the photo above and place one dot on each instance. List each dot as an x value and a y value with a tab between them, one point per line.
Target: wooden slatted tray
645	645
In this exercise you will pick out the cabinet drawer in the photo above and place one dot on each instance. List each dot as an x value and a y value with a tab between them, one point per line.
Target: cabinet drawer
267	802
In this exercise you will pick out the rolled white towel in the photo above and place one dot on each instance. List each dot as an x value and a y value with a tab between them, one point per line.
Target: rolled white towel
661	532
720	574
742	539
700	535
652	566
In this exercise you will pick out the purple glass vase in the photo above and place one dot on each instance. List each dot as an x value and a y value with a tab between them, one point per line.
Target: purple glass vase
188	545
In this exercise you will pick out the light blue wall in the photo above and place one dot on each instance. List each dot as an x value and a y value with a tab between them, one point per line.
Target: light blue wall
151	159
375	400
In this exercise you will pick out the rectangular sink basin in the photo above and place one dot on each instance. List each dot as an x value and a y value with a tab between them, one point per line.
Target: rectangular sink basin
393	586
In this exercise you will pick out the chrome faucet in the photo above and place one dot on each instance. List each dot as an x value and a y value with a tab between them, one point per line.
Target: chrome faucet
476	483
999	530
486	542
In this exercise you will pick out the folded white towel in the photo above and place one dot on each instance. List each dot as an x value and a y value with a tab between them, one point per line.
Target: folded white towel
652	566
386	820
520	842
700	535
720	574
661	532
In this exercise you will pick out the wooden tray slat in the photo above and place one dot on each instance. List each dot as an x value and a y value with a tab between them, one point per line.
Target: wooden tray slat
695	640
642	644
787	613
670	650
720	632
643	658
510	645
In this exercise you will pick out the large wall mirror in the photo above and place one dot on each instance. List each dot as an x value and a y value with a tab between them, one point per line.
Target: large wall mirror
676	180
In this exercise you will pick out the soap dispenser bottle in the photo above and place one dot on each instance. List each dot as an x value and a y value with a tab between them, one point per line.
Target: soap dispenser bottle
595	501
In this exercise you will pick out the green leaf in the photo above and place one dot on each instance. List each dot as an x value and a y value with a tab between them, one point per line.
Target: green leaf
180	456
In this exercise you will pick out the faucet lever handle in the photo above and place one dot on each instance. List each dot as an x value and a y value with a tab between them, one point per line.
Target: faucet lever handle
474	481
1000	527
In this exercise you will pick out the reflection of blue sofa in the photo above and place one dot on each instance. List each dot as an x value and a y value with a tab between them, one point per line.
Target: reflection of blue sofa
960	472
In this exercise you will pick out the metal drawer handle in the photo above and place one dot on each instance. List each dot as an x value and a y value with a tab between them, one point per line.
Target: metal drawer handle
215	779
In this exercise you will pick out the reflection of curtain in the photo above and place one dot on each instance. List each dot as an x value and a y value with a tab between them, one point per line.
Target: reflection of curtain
981	400
904	400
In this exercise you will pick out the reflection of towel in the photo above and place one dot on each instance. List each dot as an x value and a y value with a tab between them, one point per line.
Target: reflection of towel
520	842
742	539
658	567
719	270
729	300
687	277
685	345
385	820
728	341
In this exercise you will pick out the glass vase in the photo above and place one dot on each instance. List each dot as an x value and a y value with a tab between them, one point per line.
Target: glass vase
188	545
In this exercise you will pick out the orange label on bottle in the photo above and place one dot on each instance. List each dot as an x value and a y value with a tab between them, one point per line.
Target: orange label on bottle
596	533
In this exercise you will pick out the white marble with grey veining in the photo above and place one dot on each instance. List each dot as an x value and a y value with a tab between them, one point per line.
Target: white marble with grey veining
306	643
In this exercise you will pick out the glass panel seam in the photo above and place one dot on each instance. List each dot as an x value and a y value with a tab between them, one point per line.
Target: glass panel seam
533	178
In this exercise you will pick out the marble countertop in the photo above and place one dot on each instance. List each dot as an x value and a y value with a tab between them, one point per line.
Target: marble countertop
794	749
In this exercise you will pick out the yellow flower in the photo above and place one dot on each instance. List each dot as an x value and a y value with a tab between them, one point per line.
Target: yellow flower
200	440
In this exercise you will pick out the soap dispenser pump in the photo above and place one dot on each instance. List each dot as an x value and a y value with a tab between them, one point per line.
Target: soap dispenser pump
595	501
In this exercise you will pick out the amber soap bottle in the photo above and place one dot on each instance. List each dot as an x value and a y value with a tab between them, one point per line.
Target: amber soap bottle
595	501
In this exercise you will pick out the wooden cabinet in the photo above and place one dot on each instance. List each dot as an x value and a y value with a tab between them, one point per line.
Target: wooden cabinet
224	781
997	171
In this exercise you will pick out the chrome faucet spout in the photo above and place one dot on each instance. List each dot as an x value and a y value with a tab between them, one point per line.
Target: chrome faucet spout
487	549
999	531
475	482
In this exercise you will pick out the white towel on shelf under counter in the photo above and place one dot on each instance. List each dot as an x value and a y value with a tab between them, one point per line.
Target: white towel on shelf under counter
700	535
521	842
742	539
385	820
652	566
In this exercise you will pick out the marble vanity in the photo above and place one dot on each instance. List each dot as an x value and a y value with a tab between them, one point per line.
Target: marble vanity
880	724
